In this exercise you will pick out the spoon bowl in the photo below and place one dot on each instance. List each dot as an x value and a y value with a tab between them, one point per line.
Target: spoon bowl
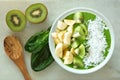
14	51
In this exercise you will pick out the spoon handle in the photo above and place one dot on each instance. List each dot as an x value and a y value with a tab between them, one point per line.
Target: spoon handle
20	63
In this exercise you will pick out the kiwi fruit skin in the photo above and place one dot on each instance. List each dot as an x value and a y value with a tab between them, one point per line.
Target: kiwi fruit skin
21	20
34	7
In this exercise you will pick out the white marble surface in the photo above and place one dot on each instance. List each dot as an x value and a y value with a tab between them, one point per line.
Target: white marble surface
9	71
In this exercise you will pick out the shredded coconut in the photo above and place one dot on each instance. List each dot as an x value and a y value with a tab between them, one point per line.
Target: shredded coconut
96	41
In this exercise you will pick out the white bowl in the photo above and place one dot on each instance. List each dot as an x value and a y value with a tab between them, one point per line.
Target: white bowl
52	44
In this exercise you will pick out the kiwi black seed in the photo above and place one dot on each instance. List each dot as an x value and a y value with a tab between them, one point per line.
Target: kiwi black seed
16	20
36	13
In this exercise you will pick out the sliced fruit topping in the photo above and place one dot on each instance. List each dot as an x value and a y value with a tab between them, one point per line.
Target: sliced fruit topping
61	25
78	17
15	20
77	62
36	13
68	58
82	51
59	50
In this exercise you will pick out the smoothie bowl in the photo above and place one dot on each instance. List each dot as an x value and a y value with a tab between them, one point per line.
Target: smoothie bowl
81	40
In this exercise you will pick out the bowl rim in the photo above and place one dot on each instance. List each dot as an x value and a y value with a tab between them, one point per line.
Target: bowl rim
52	48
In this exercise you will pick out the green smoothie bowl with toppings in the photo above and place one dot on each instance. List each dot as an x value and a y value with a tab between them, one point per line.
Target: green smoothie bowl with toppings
81	40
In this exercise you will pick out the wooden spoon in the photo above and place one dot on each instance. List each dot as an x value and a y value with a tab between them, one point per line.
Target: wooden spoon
14	50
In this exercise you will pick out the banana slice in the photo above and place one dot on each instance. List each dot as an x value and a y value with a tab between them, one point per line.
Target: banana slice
59	50
77	51
72	50
61	25
55	37
54	34
67	38
70	29
61	35
68	59
69	22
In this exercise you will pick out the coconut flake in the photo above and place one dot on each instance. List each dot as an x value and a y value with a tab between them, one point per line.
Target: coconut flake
97	43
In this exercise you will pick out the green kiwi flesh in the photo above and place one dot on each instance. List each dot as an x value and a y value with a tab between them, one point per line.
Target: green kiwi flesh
16	20
36	13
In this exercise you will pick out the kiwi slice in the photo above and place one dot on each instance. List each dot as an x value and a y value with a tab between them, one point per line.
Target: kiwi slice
15	20
36	13
82	51
77	62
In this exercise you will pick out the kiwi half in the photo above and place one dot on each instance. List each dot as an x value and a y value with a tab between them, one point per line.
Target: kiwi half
36	13
16	20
